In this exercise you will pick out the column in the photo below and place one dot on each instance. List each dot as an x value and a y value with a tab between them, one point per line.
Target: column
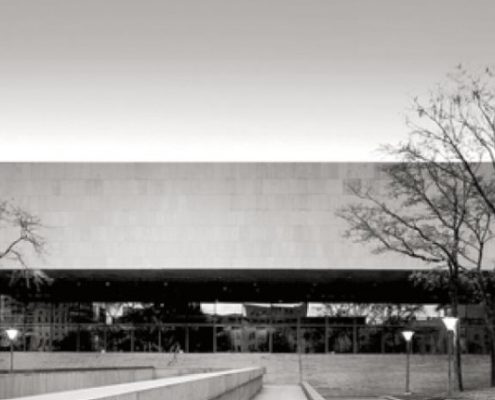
354	336
78	338
298	336
326	335
186	340
214	338
50	342
160	339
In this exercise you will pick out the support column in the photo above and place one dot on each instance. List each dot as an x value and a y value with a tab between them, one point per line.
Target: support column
298	336
105	337
354	336
148	341
78	331
214	338
50	341
186	339
24	328
78	338
326	335
270	331
160	339
433	344
270	338
382	340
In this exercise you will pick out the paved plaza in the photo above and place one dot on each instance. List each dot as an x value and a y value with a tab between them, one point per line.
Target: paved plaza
286	392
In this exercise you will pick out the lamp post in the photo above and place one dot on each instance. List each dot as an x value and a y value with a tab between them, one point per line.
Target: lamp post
408	338
451	324
12	335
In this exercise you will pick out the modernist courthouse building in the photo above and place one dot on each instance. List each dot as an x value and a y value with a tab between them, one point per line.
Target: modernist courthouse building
239	232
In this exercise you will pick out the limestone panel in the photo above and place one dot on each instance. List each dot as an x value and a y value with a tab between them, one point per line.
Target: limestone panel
192	215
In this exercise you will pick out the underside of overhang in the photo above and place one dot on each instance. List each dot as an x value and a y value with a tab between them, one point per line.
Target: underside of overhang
225	285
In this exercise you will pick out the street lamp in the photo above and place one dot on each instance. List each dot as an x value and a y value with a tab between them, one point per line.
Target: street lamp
451	325
408	338
12	334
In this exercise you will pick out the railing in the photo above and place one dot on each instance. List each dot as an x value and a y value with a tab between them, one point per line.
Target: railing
197	337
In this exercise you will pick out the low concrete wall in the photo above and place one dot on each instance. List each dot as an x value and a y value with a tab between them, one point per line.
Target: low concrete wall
25	383
280	368
242	384
311	392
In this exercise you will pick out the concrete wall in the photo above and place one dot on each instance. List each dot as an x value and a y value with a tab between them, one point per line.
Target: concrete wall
37	382
192	215
332	374
241	384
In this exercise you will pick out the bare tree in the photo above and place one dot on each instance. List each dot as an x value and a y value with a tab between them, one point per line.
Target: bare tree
457	123
438	201
20	236
422	215
376	314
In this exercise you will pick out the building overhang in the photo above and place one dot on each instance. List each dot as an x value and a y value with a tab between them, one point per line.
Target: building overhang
226	285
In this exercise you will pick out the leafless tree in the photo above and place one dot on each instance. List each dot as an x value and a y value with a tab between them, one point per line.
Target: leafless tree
437	204
426	214
457	123
375	314
20	236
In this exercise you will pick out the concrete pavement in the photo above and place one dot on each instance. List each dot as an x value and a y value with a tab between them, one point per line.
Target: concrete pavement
276	392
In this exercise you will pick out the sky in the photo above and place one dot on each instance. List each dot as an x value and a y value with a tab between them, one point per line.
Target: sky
224	80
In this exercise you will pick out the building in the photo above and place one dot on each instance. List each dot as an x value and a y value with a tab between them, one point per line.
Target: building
231	231
43	325
200	232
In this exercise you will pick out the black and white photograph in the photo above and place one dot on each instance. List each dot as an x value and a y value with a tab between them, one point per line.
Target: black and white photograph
247	200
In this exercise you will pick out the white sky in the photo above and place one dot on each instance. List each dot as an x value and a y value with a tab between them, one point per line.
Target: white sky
218	80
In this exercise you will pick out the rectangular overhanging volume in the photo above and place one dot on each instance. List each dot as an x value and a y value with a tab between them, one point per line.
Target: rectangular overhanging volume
234	285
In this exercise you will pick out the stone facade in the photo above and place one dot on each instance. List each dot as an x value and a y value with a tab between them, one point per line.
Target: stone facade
193	215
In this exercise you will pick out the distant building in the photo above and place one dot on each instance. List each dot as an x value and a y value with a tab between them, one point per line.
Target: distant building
275	312
43	325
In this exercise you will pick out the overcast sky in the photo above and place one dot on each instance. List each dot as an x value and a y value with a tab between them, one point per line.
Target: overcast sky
224	80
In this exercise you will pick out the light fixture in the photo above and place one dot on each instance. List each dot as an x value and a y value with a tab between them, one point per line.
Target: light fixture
408	335
12	333
450	323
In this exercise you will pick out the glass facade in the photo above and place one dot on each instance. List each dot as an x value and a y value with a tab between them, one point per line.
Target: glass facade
219	337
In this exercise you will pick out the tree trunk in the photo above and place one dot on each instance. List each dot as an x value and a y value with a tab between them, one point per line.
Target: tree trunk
492	359
490	323
458	362
454	298
489	316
